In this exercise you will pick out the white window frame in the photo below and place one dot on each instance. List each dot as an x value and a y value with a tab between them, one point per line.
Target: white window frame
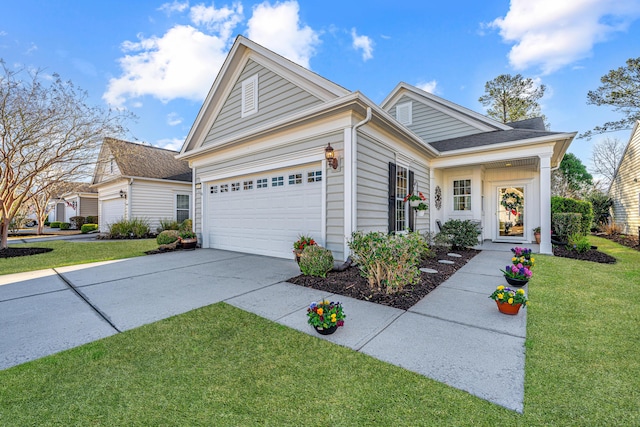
401	205
249	96
188	209
404	113
465	195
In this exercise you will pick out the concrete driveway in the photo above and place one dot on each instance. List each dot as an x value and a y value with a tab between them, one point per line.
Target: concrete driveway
48	311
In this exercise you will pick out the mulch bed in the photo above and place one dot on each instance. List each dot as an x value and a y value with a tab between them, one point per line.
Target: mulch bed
15	252
349	282
592	255
623	239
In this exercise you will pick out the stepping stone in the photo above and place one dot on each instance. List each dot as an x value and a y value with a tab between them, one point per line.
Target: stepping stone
445	261
429	270
454	255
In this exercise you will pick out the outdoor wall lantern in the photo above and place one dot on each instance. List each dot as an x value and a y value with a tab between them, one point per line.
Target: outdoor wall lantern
330	155
123	194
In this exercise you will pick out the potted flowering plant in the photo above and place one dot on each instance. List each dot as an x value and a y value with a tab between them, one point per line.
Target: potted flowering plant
521	252
188	239
536	234
414	200
299	245
517	275
421	208
508	300
325	316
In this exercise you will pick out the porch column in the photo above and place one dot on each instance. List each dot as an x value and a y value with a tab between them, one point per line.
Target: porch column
545	204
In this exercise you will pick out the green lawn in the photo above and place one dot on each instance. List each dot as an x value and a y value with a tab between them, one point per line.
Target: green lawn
72	253
221	366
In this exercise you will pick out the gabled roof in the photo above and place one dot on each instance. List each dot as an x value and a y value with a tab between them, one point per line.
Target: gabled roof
472	118
242	50
535	123
145	161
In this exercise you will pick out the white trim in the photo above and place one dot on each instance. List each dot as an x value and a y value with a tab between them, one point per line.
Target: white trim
348	188
545	204
323	203
249	100
528	185
283	161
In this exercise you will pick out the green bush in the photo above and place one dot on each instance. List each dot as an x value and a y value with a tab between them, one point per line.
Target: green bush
86	228
65	226
168	224
77	222
91	219
55	224
316	261
167	237
458	234
186	225
136	228
566	224
566	205
601	205
578	242
388	261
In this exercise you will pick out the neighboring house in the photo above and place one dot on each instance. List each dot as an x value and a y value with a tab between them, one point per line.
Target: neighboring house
79	200
625	187
261	177
140	181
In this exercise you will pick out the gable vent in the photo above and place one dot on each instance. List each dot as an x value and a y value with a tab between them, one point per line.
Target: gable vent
403	113
250	96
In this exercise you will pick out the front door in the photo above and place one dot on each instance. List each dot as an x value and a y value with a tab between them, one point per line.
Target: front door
511	218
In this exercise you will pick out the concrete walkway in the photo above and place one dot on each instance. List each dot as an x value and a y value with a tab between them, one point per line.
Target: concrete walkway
454	335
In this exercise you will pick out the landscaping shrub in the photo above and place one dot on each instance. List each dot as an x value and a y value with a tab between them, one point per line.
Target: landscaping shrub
136	228
65	226
316	261
86	228
55	224
168	224
566	205
167	237
578	242
77	222
91	219
458	234
388	261
186	225
612	228
566	224
601	205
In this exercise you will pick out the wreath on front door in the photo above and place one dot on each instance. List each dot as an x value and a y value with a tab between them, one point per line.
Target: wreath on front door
512	202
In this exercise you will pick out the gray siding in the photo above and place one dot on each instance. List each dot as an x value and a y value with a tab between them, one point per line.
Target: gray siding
373	186
277	97
433	125
155	200
624	191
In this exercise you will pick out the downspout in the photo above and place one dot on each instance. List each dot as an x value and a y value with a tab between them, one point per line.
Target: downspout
128	200
351	223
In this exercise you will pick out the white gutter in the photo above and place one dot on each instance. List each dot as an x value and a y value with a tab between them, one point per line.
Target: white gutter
350	177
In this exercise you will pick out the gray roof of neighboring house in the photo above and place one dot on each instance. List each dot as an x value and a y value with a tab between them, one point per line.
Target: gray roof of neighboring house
146	161
489	138
535	123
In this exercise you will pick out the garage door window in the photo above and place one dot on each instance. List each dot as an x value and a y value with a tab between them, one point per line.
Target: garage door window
224	188
263	183
235	186
314	176
248	185
277	181
182	207
295	179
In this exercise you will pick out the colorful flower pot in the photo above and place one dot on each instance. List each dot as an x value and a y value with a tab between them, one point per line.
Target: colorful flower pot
507	308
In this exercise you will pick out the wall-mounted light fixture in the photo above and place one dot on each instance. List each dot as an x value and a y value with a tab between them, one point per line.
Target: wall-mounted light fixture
330	155
123	194
635	179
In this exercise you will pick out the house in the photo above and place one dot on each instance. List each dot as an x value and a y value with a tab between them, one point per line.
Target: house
625	186
263	145
78	199
140	181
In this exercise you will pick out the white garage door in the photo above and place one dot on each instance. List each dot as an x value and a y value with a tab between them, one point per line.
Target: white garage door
265	213
112	211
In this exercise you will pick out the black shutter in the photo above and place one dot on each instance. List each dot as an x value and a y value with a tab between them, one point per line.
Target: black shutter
412	217
392	197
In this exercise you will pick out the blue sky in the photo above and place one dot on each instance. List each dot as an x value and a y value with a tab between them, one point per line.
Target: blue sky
159	59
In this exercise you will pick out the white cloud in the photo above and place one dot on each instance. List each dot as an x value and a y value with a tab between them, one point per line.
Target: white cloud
551	34
170	143
278	28
364	43
175	6
428	86
173	119
182	63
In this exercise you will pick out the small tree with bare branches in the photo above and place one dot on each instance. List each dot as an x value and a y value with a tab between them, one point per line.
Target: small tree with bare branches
48	134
